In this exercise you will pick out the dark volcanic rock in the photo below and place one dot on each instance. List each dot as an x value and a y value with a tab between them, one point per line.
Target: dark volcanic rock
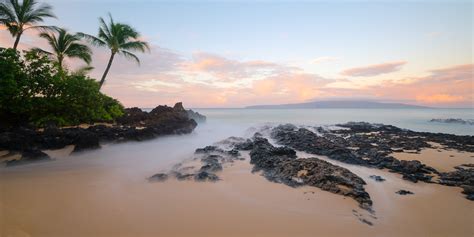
86	140
208	149
377	178
199	118
160	177
133	116
279	164
180	176
29	156
369	150
205	176
403	192
215	149
371	145
454	121
135	125
212	167
305	140
461	177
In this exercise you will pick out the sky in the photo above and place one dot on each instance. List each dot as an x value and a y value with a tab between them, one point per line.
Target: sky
225	54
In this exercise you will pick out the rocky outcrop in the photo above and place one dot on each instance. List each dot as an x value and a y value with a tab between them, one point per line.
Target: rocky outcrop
29	156
212	160
371	145
354	148
135	125
462	177
377	178
199	118
454	121
404	192
280	164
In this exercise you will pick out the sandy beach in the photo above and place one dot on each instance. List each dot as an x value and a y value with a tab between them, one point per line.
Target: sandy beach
92	199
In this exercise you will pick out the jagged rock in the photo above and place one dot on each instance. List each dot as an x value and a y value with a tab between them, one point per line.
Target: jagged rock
404	192
454	121
279	164
461	177
135	125
199	118
205	176
214	149
160	177
211	163
29	156
305	140
377	178
371	150
208	149
86	140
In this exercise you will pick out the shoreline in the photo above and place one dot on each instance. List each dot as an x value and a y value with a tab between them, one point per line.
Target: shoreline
106	192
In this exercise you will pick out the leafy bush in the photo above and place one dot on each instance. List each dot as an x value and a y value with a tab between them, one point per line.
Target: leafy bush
33	91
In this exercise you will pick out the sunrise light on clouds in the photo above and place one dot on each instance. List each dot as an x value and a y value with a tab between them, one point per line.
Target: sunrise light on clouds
224	54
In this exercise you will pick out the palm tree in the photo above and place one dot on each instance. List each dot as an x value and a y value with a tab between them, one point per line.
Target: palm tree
65	45
18	17
120	38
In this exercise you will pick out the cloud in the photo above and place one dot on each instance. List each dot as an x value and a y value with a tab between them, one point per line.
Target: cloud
227	70
451	86
439	98
374	70
211	80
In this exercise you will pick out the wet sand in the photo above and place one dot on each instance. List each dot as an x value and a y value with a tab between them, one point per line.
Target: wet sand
100	194
441	160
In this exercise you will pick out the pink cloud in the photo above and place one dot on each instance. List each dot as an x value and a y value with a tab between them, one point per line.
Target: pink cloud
448	87
210	80
225	69
374	70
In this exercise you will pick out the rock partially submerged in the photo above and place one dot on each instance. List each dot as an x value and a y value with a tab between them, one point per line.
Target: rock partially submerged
462	177
160	177
199	118
377	178
454	121
365	151
280	164
29	156
211	159
404	192
371	145
135	125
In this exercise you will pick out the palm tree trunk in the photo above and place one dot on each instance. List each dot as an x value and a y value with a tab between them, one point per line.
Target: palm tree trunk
17	40
106	70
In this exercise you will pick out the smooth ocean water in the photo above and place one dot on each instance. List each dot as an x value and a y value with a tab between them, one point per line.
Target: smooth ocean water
413	119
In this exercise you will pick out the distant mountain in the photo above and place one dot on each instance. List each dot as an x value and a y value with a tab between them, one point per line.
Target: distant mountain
340	104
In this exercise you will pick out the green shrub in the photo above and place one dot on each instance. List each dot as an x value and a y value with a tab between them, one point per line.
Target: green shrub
33	91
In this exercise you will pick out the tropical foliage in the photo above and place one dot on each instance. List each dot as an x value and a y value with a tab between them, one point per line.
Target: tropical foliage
32	91
35	86
19	17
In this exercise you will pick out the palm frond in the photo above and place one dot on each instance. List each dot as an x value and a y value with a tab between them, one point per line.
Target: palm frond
136	46
130	55
76	50
42	28
7	14
92	39
17	16
82	71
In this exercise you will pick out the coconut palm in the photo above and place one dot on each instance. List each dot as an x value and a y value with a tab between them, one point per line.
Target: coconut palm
120	38
19	17
64	45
